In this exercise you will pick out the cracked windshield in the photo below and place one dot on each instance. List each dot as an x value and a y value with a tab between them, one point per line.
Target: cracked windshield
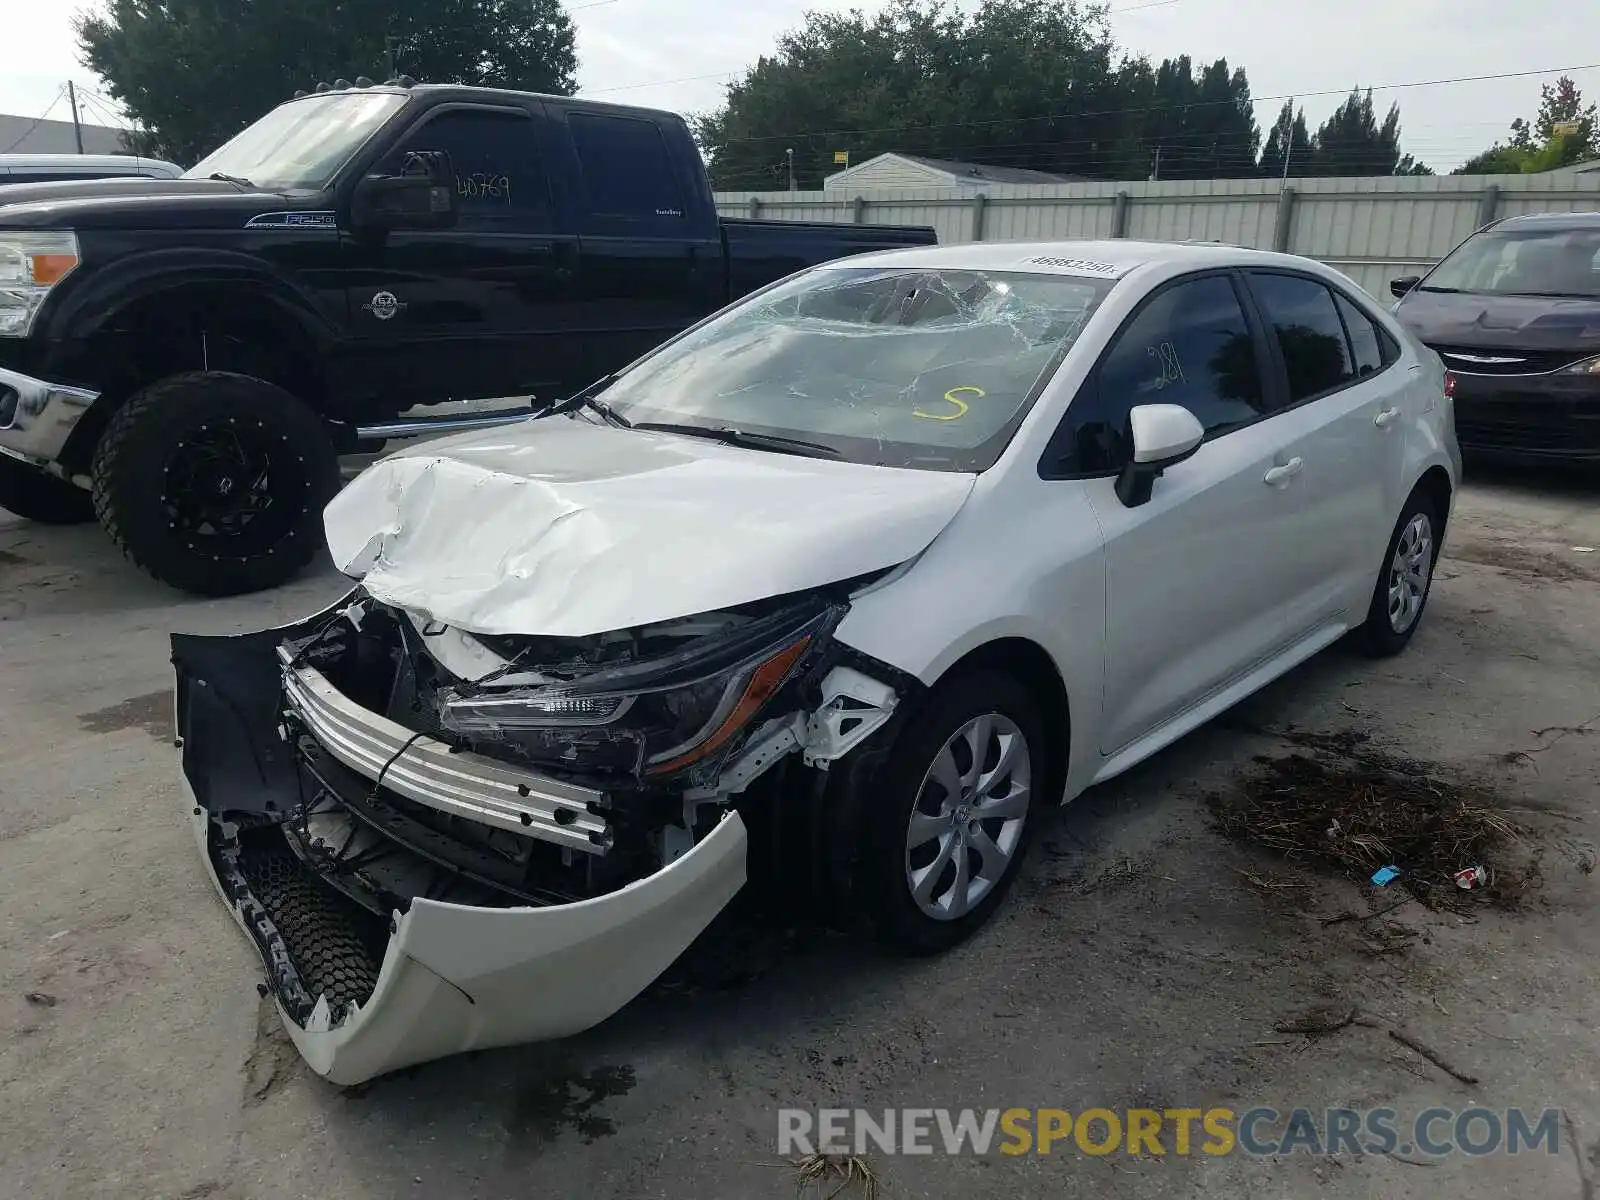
924	368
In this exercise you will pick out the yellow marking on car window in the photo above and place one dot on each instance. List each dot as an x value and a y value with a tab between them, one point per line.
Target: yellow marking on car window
961	406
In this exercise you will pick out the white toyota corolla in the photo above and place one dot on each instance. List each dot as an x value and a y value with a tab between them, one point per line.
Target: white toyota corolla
829	594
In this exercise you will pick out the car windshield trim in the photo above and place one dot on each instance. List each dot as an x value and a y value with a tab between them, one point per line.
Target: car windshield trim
921	367
301	145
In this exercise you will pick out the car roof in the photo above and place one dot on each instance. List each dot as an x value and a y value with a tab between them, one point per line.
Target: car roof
1552	221
1109	259
83	162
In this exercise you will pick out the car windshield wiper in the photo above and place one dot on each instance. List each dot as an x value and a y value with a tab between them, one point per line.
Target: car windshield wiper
1422	287
730	436
588	398
236	180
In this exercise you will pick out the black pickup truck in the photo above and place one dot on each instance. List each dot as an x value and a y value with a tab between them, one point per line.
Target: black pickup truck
186	358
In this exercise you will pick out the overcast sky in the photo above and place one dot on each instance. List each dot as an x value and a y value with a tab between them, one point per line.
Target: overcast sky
678	53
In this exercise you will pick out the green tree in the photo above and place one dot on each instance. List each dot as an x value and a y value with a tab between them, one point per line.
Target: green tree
1019	83
1566	131
1289	128
1201	121
192	73
1352	142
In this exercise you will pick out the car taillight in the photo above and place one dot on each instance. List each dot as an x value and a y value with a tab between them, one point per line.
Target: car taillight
1449	384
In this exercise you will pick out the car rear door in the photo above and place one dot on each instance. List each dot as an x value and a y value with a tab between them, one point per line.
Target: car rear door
1342	417
1199	577
651	247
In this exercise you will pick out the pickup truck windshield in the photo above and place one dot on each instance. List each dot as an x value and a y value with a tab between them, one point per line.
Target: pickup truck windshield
301	144
1523	262
906	367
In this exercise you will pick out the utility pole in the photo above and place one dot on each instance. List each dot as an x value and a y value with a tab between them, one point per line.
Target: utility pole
789	155
1155	170
388	48
1288	145
77	128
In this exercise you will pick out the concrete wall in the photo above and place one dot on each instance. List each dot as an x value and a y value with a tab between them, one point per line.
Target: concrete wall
1371	229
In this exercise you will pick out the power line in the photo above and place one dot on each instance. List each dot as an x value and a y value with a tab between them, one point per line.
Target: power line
37	121
630	87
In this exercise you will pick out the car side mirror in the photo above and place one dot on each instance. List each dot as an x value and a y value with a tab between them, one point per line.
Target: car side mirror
422	196
1163	435
1401	288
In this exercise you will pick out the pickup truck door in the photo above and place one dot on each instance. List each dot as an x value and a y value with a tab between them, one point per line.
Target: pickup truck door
650	244
483	309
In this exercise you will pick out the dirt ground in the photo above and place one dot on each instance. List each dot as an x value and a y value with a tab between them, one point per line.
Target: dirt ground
1144	959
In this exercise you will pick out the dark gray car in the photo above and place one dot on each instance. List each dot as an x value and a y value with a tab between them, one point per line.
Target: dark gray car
1514	311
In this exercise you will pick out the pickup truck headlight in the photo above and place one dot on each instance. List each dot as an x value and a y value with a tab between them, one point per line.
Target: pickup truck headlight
31	263
677	710
1589	367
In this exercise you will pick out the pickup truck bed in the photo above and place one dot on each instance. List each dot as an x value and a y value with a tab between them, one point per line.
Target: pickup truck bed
759	251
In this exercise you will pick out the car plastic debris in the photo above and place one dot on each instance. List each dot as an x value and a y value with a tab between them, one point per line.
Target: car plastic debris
1469	878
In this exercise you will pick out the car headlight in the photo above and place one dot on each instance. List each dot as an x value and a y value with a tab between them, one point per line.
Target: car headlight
1589	366
31	263
662	714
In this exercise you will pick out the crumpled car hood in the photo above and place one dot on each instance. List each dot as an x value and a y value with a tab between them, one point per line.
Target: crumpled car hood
559	527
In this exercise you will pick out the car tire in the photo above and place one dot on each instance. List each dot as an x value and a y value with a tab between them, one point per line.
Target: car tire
215	483
1401	594
912	909
36	496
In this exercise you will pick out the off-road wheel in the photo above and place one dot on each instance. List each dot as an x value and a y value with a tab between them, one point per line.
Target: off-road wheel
215	483
36	496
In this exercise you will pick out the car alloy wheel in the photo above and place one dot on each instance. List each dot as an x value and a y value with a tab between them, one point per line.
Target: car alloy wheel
1410	571
966	825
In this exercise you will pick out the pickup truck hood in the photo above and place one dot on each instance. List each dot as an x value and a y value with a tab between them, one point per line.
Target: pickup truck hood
139	203
1502	322
560	527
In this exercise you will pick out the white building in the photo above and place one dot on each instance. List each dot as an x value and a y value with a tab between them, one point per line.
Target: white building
914	171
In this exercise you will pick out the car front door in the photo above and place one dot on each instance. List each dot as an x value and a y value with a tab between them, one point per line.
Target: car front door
483	308
1343	422
1197	578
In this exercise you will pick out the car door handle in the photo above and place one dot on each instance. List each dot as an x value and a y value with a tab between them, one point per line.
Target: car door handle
1284	473
1386	418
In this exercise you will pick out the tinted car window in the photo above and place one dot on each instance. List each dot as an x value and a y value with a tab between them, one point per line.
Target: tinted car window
627	171
1191	346
1522	262
1365	342
1300	313
499	183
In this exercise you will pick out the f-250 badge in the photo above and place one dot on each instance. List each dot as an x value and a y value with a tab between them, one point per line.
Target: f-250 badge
384	306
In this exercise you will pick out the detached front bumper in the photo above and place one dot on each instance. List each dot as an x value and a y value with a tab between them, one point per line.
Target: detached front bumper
37	417
458	978
450	976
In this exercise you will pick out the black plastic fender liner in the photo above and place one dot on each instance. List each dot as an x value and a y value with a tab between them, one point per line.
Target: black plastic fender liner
229	705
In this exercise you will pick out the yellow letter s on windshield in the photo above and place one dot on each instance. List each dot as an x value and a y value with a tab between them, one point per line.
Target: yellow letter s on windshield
961	406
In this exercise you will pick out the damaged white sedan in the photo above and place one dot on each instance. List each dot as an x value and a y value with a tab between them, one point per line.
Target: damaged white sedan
831	593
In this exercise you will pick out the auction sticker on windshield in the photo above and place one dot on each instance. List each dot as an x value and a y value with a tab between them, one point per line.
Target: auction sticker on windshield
1081	266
